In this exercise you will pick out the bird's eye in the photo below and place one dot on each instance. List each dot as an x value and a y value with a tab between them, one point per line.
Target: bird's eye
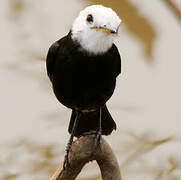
89	18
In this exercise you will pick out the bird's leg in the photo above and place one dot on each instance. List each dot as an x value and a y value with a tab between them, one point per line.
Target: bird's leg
66	164
99	131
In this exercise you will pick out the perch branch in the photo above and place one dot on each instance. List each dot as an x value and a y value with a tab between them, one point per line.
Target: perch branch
82	152
175	7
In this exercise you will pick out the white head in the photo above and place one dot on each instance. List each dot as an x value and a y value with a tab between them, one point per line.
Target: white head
95	28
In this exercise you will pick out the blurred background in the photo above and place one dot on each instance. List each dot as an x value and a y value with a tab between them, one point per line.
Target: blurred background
146	104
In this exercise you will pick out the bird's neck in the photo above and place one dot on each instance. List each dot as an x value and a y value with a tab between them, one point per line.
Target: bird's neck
93	42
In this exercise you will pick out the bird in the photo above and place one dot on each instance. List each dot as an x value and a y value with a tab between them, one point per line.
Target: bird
83	67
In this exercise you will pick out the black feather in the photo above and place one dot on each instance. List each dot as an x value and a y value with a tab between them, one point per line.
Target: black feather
83	81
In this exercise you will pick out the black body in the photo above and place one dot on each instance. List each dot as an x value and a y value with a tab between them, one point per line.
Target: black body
84	82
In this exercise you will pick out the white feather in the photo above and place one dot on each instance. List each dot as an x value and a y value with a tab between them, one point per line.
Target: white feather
91	40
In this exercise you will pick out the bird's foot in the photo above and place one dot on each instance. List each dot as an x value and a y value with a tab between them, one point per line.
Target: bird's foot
66	164
97	137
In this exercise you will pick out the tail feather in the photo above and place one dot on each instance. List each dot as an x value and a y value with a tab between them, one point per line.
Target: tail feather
89	121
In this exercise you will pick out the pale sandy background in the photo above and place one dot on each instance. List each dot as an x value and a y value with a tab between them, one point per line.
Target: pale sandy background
146	104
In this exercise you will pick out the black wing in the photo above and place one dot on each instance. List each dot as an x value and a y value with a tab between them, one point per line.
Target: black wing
117	60
50	60
59	50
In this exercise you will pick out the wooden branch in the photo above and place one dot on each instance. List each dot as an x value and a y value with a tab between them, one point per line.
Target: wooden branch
82	152
175	7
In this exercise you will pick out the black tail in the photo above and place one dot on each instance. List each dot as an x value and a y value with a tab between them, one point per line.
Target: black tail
89	121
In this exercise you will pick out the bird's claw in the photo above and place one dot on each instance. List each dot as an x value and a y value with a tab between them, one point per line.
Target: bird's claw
66	164
97	139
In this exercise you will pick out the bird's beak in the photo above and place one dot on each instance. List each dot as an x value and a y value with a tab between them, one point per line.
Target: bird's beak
105	30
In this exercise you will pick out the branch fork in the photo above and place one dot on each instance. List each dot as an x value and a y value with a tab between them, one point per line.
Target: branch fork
84	151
